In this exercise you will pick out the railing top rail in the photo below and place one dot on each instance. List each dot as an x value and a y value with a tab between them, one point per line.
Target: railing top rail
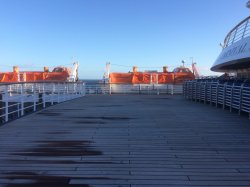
39	82
237	34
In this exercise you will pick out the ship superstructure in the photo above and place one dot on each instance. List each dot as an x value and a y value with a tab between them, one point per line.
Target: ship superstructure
235	55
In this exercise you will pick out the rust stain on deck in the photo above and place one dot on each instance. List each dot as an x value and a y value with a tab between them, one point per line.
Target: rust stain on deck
62	148
37	180
105	118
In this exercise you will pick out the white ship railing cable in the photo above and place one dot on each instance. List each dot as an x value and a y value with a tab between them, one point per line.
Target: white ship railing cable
240	31
234	95
17	99
148	89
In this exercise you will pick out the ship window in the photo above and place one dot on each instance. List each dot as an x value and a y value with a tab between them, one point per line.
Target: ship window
58	69
184	70
176	70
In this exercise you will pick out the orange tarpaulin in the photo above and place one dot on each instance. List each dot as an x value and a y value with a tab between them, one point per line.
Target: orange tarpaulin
121	78
44	76
165	78
33	76
141	78
56	76
8	77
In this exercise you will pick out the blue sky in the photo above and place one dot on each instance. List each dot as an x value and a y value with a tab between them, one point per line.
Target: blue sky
146	33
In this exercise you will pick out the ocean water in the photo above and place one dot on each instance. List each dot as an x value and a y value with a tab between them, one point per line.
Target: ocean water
91	81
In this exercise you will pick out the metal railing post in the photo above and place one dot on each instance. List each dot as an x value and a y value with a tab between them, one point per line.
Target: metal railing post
217	87
245	28
240	98
231	98
18	109
64	92
196	91
205	93
110	89
34	98
6	93
84	88
211	92
22	102
58	93
235	32
68	92
52	93
186	89
43	96
224	95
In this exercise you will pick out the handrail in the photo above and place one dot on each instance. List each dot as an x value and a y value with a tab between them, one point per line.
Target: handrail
148	89
231	95
237	33
18	99
39	82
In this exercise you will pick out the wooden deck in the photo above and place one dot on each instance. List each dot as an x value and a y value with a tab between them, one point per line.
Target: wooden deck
126	141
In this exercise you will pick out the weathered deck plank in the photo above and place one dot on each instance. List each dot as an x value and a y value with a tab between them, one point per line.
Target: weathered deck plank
126	141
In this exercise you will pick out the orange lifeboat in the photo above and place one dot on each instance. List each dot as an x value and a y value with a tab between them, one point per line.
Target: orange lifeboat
58	74
178	76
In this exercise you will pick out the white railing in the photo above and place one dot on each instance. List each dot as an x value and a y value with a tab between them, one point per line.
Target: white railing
148	89
232	95
240	31
18	99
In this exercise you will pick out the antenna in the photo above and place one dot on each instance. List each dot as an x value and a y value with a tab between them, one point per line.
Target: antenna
183	63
